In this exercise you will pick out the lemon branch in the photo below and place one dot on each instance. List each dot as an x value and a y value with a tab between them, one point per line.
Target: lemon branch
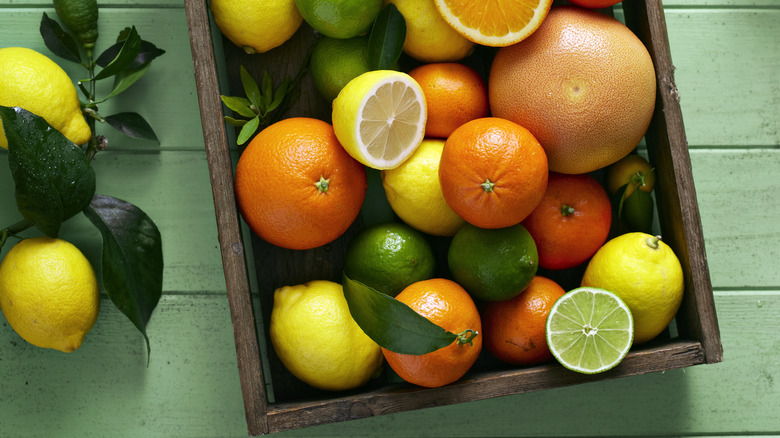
13	230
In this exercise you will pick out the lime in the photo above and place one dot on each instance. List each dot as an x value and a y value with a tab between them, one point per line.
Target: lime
589	330
388	257
314	335
335	62
81	17
49	293
379	117
493	264
645	273
414	192
340	18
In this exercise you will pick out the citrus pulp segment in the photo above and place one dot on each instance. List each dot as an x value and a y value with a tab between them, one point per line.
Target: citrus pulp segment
495	23
589	330
379	117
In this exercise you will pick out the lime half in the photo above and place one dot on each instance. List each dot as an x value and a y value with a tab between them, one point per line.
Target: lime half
589	330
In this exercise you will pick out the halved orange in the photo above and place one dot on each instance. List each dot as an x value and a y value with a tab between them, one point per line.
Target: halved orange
495	23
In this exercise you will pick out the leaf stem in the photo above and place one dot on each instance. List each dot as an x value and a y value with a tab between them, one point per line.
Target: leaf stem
13	230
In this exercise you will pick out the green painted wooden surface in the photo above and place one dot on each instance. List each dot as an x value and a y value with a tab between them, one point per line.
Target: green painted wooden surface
727	55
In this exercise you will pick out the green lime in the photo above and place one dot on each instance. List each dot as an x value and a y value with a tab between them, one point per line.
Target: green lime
493	264
80	16
340	18
388	257
589	330
335	62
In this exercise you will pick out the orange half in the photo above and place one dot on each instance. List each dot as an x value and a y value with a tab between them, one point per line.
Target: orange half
495	23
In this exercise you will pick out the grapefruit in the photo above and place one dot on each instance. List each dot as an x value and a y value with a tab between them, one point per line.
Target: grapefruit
583	84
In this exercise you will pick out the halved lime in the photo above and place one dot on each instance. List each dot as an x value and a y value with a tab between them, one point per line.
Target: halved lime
589	330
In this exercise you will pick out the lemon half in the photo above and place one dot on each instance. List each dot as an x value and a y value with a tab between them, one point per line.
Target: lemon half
379	118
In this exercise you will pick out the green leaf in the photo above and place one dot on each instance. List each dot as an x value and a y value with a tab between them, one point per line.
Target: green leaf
392	324
279	95
239	105
124	79
268	91
132	125
386	41
59	41
251	89
53	178
132	258
235	122
146	54
248	130
131	47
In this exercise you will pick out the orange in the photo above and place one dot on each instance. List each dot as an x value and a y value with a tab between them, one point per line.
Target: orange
571	222
493	172
495	23
514	330
449	306
296	186
583	83
455	94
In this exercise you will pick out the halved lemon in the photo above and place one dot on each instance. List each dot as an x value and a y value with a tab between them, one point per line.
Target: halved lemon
495	23
379	118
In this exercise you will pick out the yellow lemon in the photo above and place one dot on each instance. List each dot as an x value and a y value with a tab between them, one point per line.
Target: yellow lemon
414	192
379	118
646	274
34	82
428	37
255	26
317	340
49	293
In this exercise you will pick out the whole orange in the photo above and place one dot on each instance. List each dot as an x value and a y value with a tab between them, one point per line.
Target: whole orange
493	172
455	93
448	305
571	222
583	83
296	186
514	330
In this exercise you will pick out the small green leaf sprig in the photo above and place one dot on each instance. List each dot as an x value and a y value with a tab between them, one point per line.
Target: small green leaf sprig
53	177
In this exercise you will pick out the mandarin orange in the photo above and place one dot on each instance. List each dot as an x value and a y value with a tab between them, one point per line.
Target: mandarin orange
514	330
448	305
583	83
493	172
571	222
296	186
455	94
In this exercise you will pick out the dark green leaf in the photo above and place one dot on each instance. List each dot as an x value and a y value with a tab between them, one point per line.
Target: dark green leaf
251	89
130	49
279	94
268	90
59	41
133	125
146	54
132	259
248	130
386	41
125	79
53	178
235	122
638	210
392	324
239	105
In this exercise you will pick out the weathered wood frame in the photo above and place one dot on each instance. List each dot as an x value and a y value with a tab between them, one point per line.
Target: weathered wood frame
699	340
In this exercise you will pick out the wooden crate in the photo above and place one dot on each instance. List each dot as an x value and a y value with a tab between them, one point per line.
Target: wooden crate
275	401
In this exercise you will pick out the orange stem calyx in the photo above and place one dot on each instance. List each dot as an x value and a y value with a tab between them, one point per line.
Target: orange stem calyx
322	184
467	336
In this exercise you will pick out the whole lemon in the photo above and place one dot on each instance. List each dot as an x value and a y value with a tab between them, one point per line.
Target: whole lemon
414	192
34	82
646	274
255	26
317	340
428	37
49	293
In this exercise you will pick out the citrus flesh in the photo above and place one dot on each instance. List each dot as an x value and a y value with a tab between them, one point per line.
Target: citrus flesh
34	82
388	257
589	330
317	340
414	192
379	118
494	23
646	274
49	293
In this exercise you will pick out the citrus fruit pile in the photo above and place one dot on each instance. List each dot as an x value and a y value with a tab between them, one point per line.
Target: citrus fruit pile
509	186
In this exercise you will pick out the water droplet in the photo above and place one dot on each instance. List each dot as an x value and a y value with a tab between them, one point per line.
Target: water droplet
759	304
